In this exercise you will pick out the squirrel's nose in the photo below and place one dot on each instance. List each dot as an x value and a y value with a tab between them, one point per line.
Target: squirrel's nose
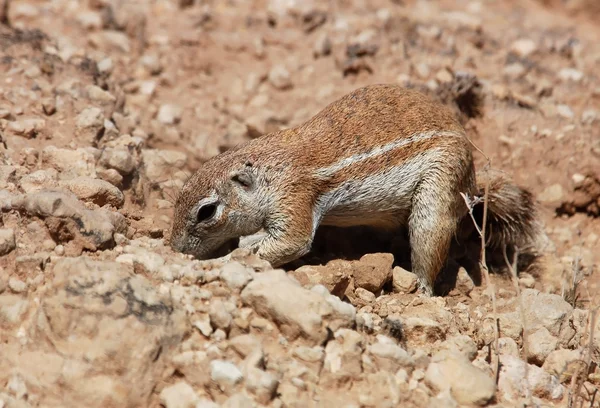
178	242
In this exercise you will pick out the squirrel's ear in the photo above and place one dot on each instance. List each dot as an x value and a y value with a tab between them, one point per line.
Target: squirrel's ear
244	177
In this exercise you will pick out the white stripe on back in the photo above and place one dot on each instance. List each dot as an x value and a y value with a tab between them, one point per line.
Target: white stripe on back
414	138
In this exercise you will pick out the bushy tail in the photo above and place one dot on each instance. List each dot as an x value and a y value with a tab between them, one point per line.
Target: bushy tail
512	214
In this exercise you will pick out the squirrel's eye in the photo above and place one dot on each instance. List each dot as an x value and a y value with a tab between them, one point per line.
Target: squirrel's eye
206	212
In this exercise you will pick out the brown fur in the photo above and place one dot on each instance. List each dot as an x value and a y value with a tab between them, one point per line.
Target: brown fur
291	176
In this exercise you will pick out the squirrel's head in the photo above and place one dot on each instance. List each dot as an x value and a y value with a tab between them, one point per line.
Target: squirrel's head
218	204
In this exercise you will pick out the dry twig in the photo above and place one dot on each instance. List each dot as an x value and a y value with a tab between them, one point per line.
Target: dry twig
471	202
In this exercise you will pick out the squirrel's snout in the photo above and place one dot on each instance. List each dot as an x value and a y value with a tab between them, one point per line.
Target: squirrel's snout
178	242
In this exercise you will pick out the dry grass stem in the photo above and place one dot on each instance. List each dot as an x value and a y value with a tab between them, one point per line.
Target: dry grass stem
579	377
470	203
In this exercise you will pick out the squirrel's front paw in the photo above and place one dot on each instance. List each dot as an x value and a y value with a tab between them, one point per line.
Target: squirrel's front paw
252	242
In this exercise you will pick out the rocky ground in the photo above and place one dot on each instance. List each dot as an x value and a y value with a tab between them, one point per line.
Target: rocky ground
107	106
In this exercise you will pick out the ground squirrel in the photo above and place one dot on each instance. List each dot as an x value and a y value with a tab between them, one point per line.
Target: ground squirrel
381	156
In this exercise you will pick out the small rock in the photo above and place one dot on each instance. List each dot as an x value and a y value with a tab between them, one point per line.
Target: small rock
570	74
49	106
169	114
343	354
111	40
322	46
236	133
373	271
514	70
203	324
89	122
34	262
253	81
403	281
365	43
178	395
379	389
444	76
245	344
17	285
523	47
364	295
12	309
544	88
69	163
28	128
589	116
429	32
388	356
466	383
564	111
403	79
443	400
422	70
152	63
335	278
219	315
310	354
158	163
151	262
511	382
364	321
578	179
549	311
7	241
262	384
342	313
256	125
421	330
560	363
111	176
90	20
225	373
206	403
66	216
39	180
462	20
5	113
298	311
461	344
509	325
95	93
97	191
508	346
17	386
524	101
33	72
548	110
540	344
500	91
105	65
8	176
552	195
235	275
280	77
